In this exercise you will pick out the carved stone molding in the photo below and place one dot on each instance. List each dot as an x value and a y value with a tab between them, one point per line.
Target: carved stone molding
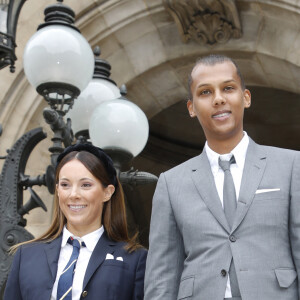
205	21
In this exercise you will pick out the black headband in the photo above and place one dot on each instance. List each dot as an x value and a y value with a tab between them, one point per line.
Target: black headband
99	153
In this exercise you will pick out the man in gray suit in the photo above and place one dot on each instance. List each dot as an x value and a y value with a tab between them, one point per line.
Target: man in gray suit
207	243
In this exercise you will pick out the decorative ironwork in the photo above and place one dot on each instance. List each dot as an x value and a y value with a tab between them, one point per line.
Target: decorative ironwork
134	177
9	10
207	22
12	185
63	134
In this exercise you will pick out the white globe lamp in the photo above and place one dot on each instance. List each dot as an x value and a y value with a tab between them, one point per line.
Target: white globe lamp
121	127
58	60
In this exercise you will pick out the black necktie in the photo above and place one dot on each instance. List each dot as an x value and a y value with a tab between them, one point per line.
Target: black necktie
229	203
64	288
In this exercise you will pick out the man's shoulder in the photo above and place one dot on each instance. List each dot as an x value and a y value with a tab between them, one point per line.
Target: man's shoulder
275	155
278	151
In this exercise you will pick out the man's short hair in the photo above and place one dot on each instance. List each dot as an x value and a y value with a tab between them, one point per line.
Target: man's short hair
211	60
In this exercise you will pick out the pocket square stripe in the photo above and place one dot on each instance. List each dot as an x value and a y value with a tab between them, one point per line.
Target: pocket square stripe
266	190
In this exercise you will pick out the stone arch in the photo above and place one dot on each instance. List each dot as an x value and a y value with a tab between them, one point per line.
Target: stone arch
141	41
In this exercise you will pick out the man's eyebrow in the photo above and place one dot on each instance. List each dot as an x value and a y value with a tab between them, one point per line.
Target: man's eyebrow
229	80
208	84
203	84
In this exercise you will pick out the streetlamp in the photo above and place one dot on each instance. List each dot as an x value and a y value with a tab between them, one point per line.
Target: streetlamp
66	57
52	56
59	63
126	129
103	116
9	14
67	67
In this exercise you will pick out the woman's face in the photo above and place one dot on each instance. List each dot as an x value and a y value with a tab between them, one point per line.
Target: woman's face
81	197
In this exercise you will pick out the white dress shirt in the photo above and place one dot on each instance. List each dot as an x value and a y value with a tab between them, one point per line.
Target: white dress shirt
85	253
236	170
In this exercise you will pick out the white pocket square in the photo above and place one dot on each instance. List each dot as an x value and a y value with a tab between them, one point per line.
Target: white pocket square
109	256
119	258
266	191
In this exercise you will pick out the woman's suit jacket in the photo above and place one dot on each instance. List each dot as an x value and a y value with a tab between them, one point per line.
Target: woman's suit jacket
34	268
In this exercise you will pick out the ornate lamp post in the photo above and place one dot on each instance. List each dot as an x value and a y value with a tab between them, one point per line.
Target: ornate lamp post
52	56
59	63
9	14
67	67
111	122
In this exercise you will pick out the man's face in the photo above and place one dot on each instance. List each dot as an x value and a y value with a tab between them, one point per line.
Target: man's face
218	101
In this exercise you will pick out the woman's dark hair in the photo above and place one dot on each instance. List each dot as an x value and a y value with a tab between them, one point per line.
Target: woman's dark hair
113	215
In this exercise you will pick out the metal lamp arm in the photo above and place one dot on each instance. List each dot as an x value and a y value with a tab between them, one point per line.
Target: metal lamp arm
63	134
134	177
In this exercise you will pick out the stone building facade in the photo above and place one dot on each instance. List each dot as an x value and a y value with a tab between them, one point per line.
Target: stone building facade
152	45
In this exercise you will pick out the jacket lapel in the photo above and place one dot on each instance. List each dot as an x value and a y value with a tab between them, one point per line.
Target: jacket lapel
255	164
52	250
103	247
205	184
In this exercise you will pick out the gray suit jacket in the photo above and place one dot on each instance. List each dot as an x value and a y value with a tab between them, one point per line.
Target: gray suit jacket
191	245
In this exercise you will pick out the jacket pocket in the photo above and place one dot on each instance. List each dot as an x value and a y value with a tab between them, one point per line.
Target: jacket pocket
273	195
115	263
186	287
285	277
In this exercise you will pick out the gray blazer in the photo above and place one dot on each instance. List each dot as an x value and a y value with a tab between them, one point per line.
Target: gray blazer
191	245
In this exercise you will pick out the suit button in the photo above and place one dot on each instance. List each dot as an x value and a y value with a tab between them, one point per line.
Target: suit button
232	238
223	273
84	294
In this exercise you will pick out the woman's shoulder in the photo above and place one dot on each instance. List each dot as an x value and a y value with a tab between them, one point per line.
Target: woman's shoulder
35	246
139	250
135	252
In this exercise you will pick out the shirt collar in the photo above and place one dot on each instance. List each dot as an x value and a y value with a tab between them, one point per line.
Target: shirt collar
239	153
91	239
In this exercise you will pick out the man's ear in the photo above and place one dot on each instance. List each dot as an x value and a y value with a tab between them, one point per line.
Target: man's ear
247	98
190	108
109	190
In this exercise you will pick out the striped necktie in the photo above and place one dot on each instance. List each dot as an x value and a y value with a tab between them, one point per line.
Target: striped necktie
64	289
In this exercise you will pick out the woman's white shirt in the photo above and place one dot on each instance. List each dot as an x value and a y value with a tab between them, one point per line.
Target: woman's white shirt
85	253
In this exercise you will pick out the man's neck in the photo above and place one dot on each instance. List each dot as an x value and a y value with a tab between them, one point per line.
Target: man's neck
224	146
